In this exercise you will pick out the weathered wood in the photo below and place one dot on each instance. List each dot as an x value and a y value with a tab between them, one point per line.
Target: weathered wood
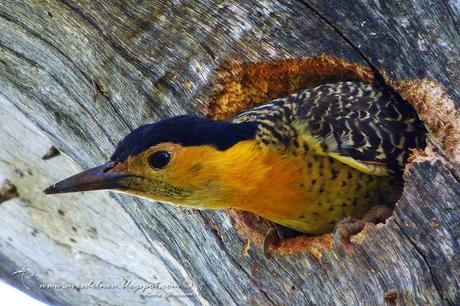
405	39
87	72
73	239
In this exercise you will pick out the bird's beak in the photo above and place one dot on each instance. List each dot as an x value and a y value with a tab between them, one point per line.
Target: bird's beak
97	178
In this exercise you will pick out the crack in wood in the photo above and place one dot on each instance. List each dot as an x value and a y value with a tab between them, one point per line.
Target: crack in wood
423	257
451	14
222	246
374	69
116	111
8	191
52	152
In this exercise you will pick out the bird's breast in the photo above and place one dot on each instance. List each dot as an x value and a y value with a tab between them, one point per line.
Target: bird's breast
305	192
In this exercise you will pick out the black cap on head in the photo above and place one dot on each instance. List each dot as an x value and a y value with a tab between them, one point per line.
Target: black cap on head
187	131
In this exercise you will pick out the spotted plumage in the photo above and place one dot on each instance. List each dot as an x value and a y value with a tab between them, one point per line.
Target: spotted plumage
353	139
367	123
305	161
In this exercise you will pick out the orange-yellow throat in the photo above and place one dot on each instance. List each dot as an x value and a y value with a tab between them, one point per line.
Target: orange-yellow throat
301	190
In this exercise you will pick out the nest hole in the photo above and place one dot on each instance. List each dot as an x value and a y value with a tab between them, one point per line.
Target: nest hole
241	86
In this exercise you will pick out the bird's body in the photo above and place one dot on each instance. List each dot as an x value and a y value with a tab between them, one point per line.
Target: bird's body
344	146
305	161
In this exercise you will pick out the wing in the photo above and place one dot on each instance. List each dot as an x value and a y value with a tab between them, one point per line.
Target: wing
364	126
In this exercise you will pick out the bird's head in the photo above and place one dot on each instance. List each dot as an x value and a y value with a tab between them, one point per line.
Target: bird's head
184	160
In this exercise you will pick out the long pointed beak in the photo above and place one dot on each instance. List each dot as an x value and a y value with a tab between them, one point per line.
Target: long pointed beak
97	178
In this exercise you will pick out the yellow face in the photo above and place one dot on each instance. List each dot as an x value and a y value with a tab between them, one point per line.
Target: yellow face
245	176
172	173
204	177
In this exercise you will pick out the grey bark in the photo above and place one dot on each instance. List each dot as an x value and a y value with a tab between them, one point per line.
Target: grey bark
86	73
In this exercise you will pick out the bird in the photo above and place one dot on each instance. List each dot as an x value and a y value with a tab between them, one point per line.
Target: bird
304	161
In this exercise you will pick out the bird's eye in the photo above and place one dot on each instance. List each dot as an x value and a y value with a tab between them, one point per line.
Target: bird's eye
159	160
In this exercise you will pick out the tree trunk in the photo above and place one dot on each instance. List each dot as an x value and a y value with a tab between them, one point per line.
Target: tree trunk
80	75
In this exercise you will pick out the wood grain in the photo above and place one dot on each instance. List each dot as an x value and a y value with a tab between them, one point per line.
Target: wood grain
88	72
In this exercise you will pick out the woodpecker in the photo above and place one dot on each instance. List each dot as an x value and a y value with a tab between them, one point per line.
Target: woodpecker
304	161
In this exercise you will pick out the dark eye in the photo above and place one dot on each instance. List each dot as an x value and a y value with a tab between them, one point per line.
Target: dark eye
159	160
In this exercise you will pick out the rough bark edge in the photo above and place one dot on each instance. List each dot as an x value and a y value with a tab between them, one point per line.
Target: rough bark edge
240	86
436	109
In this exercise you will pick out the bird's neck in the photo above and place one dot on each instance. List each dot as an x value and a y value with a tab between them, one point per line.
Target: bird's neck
249	176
